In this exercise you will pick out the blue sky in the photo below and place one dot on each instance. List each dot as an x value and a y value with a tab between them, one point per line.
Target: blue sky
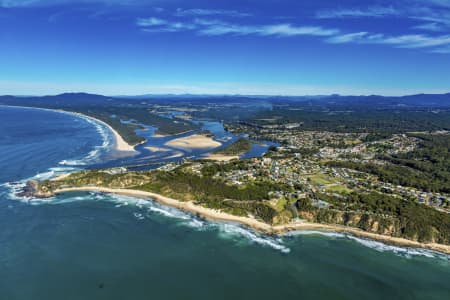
224	47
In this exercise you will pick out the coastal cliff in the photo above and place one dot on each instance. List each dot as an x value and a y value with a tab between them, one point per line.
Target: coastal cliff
169	189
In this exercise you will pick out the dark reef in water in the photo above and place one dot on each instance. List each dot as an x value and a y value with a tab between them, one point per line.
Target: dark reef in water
30	190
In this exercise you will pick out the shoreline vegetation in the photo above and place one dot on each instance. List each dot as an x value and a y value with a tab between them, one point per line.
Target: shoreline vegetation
216	215
199	190
232	151
119	142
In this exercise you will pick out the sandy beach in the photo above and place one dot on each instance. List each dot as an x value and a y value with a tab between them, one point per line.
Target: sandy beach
212	214
220	157
119	142
195	141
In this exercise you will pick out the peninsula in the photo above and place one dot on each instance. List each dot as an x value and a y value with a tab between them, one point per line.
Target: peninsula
252	204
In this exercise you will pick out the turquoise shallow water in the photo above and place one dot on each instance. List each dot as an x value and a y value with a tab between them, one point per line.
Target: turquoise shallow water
95	246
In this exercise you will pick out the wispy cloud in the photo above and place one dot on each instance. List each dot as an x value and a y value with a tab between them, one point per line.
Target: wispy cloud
430	27
400	41
347	38
414	40
443	50
209	12
371	11
214	27
218	26
143	22
431	11
159	25
17	3
33	3
434	16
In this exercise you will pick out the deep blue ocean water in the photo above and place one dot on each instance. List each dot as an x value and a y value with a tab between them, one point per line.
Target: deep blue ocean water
96	246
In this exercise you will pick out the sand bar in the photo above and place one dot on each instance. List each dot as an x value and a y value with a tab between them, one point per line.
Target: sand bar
195	141
157	149
258	225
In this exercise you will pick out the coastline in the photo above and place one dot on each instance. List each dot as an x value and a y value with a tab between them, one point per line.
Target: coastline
215	215
119	143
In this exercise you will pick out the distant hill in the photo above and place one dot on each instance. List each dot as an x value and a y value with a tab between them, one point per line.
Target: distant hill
329	101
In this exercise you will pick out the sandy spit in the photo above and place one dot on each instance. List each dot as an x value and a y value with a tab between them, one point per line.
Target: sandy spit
195	141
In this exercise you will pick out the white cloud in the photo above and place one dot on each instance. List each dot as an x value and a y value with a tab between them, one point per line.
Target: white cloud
214	27
400	41
289	30
347	38
208	12
17	3
419	41
150	22
372	11
445	50
33	3
429	27
159	25
217	27
432	11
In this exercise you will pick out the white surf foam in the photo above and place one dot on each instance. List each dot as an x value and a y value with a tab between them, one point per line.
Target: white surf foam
239	231
148	207
93	155
376	245
233	231
315	232
403	251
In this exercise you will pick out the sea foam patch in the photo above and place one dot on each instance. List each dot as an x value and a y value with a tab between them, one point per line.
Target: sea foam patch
329	234
148	207
95	154
407	252
15	188
235	230
231	231
403	251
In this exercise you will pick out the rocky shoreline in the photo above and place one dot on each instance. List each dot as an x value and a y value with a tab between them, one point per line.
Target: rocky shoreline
32	190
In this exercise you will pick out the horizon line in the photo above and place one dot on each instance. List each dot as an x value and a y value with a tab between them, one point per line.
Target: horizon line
220	95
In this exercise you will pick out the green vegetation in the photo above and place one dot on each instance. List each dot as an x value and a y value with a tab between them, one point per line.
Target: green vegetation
239	147
320	178
133	116
426	168
379	123
183	186
126	131
112	111
384	214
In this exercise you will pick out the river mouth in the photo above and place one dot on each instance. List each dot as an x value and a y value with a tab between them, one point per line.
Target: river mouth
100	246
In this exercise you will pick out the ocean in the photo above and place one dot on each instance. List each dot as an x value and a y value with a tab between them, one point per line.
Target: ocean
98	246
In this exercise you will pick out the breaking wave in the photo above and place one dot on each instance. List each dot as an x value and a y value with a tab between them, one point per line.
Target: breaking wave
226	230
407	252
94	155
234	230
403	251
